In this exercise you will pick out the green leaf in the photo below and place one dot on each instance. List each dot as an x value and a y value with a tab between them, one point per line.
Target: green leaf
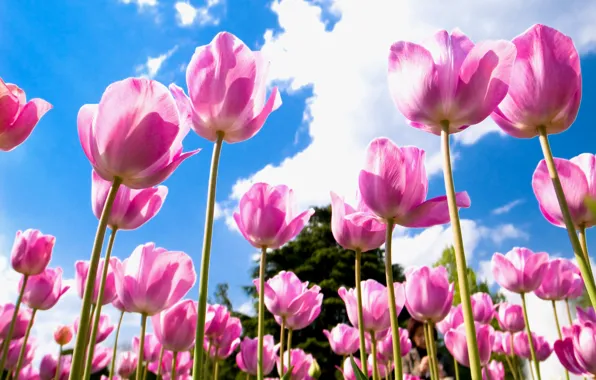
357	371
288	374
67	352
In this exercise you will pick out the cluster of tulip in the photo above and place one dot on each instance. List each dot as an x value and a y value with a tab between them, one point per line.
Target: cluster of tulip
133	140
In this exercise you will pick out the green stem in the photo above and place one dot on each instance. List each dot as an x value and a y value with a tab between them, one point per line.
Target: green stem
373	352
568	311
281	346
24	346
216	370
583	241
433	347
58	365
456	368
391	300
530	340
174	364
514	359
460	256
115	349
142	343
429	351
161	351
261	321
559	330
511	368
13	323
97	312
357	270
584	265
145	365
204	280
78	355
206	364
289	350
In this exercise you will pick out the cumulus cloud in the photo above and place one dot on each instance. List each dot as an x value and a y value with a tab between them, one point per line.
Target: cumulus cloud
507	207
209	14
141	3
151	68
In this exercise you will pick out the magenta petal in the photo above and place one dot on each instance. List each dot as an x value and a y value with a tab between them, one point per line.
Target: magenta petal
24	124
434	211
162	174
505	273
456	343
566	355
293	228
253	126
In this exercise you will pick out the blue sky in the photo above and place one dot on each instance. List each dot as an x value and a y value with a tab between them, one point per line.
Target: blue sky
329	58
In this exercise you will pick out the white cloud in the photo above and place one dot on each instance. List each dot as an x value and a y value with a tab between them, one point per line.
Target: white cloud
471	135
187	14
141	3
151	68
346	68
247	308
507	207
485	272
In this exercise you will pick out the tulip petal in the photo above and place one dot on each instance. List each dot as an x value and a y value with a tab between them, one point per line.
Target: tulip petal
24	124
434	211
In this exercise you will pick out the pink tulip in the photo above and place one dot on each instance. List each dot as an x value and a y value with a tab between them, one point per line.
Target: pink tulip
267	216
511	317
586	315
577	286
49	366
134	133
347	369
449	79
375	313
521	346
31	251
183	363
216	320
560	275
507	343
482	307
355	228
227	83
101	357
385	346
498	342
104	329
14	350
382	368
343	339
428	293
309	312
545	88
17	116
454	318
577	353
493	371
29	373
109	292
20	327
127	364
300	362
116	302
132	208
393	184
520	270
63	335
224	345
44	290
410	377
456	343
247	357
577	178
153	279
151	347
175	327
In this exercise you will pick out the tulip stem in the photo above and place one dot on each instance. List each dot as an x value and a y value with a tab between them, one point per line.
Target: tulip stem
80	348
174	364
373	353
281	345
433	346
97	312
530	340
58	365
142	344
115	349
456	368
460	256
583	263
24	346
568	311
13	323
161	351
204	279
216	369
289	350
511	368
145	364
206	364
261	321
553	302
429	351
391	300
583	241
357	271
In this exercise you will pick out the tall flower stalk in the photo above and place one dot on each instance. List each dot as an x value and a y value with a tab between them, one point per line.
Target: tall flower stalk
391	301
13	322
530	338
115	348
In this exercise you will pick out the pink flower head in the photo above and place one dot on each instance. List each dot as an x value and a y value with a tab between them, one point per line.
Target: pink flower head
452	320
109	289
520	270
375	313
101	357
43	291
482	307
153	279
343	339
132	208
116	302
227	84
498	342
456	343
511	317
29	373
450	80
104	329
224	345
307	314
493	371
393	184
347	369
521	346
507	343
355	228
381	367
268	217
428	293
300	362
586	315
183	363
385	346
216	320
134	133
546	85
31	251
49	366
17	116
561	275
127	364
578	179
20	327
63	335
577	287
175	327
577	352
247	357
151	347
14	350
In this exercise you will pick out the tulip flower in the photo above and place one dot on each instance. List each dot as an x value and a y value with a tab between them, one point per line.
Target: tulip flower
482	307
21	321
520	270
456	343
343	339
454	318
586	315
304	317
21	353
428	293
510	317
224	345
347	369
31	251
29	373
385	346
300	363
522	348
101	358
175	327
63	335
109	286
49	366
577	353
217	320
127	364
381	370
152	347
493	371
183	363
507	343
560	274
498	342
104	328
247	357
17	116
43	291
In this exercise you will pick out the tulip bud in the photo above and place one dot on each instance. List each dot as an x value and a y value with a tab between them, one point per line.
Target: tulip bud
314	371
63	335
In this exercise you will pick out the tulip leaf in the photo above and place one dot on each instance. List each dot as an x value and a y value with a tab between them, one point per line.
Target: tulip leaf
357	371
67	352
590	204
288	374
